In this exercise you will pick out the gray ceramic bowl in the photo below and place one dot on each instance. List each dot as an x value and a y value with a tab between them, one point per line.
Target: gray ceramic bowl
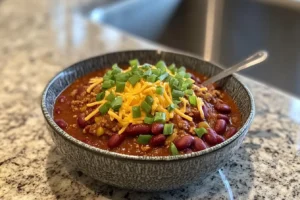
142	172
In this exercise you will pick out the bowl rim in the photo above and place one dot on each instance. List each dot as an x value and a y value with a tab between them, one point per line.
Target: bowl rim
115	155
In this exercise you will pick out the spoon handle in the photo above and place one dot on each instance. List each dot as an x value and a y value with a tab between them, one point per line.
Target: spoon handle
256	58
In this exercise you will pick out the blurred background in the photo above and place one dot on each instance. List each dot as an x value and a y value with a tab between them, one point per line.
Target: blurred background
222	31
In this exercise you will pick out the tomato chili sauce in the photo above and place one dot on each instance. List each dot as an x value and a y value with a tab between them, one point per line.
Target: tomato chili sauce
199	117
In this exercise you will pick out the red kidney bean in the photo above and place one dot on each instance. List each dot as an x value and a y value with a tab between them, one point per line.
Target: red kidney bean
115	140
184	142
81	121
219	139
157	140
205	111
230	132
220	126
199	144
136	129
62	99
61	123
157	128
225	117
57	110
210	136
223	108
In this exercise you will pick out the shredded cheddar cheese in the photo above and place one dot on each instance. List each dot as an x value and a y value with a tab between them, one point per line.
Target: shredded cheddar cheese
134	95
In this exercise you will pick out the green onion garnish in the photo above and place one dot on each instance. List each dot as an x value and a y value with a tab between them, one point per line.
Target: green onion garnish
173	149
148	120
110	97
146	107
117	103
136	112
168	129
144	139
163	76
134	62
149	100
200	131
189	92
134	79
159	90
120	86
177	93
148	72
171	107
108	84
160	117
104	108
100	96
193	100
151	78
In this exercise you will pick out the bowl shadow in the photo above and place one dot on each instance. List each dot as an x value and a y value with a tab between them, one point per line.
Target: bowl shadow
233	181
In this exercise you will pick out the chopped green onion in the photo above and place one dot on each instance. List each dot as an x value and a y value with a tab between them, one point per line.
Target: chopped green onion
171	107
181	69
136	112
138	72
200	131
117	103
175	101
148	120
159	90
116	69
184	86
100	96
177	93
149	100
148	72
173	149
168	79
110	97
157	72
122	77
146	66
190	82
134	62
120	86
108	84
151	78
160	117
189	92
179	76
181	73
134	79
160	64
187	75
174	83
163	76
104	108
168	129
146	107
172	68
144	139
193	100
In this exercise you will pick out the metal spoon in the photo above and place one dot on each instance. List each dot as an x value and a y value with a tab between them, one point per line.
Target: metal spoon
256	58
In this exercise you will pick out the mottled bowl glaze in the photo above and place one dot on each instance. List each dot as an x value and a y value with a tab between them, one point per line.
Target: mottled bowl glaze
142	172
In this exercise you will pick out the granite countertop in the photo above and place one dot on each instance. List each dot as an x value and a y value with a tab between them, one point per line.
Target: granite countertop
40	38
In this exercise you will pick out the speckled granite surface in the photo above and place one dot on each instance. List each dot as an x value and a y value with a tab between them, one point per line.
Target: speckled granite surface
37	42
